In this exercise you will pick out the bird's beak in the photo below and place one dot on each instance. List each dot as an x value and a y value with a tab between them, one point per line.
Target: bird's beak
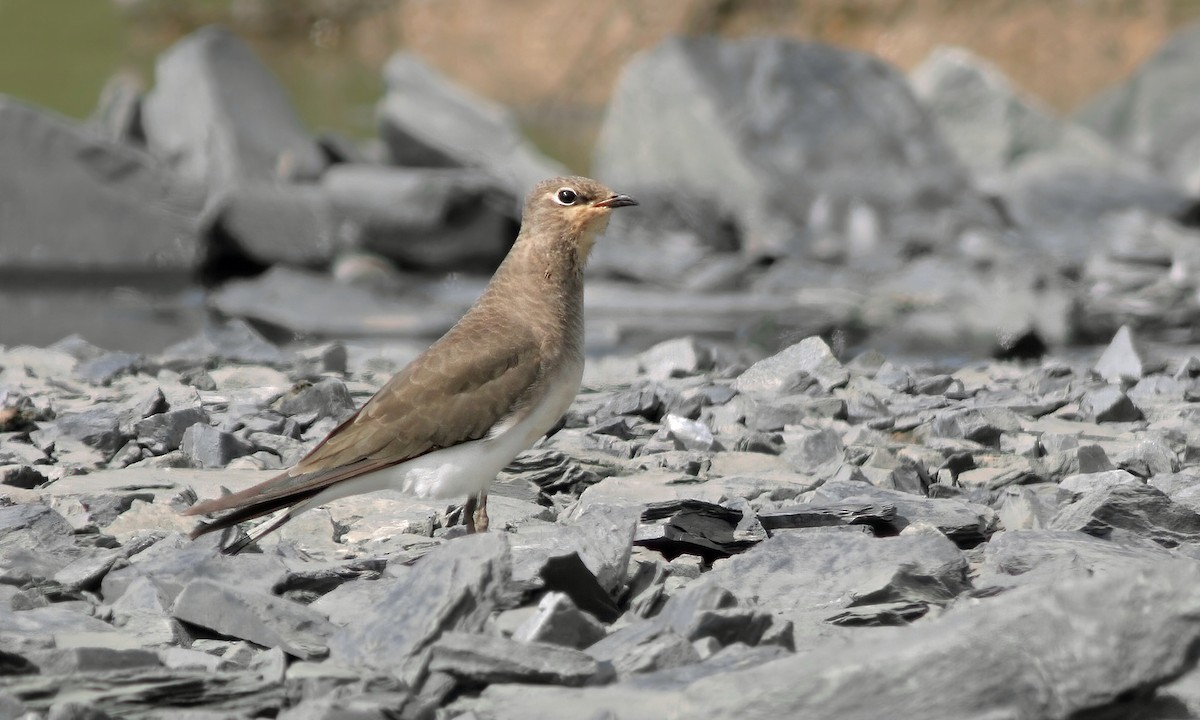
617	201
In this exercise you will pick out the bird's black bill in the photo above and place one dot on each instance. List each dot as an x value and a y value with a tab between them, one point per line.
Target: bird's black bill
617	201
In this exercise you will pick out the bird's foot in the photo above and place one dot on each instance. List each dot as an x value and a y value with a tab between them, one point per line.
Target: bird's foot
480	516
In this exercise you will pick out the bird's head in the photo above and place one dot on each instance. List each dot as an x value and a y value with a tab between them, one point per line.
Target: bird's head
571	210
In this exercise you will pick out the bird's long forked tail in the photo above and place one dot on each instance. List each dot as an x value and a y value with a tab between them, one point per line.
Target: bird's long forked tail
249	512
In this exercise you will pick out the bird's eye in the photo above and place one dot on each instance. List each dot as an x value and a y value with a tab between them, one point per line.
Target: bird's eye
566	196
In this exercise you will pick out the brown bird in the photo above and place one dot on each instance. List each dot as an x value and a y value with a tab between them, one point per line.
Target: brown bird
498	380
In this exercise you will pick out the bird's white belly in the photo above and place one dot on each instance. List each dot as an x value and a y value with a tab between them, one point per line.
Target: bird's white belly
469	467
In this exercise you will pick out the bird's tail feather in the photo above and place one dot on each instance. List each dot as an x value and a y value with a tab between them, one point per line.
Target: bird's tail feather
250	512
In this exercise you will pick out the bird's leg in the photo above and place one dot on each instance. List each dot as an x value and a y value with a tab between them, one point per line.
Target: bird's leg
468	514
481	516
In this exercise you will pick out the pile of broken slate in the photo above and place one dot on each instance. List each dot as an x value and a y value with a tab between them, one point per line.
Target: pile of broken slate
708	534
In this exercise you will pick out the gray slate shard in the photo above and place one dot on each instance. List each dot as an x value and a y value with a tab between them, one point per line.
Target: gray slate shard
219	117
423	218
453	588
144	692
983	425
268	224
476	660
263	619
233	341
1142	510
559	622
208	447
328	398
693	115
788	370
1048	557
98	427
1121	362
1074	646
427	121
1109	404
809	575
966	523
163	432
131	214
173	562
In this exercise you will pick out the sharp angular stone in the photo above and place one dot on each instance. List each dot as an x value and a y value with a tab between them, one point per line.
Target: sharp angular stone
477	660
1121	362
792	368
559	622
453	588
1141	510
679	357
1109	404
208	447
1049	557
328	398
263	619
98	427
163	432
806	576
1087	482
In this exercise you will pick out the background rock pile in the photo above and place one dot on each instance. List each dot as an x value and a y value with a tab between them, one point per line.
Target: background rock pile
748	519
787	189
707	533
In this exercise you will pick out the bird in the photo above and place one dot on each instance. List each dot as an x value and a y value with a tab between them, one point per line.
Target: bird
497	381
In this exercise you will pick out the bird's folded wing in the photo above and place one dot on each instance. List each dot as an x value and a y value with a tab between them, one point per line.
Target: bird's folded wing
450	394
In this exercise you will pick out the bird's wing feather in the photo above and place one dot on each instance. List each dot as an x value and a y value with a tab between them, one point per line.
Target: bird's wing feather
449	395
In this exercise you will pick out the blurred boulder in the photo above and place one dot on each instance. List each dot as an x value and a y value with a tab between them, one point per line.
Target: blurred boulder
312	304
1060	203
118	114
798	142
427	121
992	125
427	219
1155	114
268	224
71	201
218	116
673	239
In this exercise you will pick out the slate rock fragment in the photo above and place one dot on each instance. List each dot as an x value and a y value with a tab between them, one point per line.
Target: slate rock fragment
263	619
476	660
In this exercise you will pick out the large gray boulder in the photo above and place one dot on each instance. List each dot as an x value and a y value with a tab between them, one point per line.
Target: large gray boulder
428	121
1155	114
71	201
795	141
218	115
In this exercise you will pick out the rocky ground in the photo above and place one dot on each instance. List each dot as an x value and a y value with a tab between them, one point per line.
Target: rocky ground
705	536
749	519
